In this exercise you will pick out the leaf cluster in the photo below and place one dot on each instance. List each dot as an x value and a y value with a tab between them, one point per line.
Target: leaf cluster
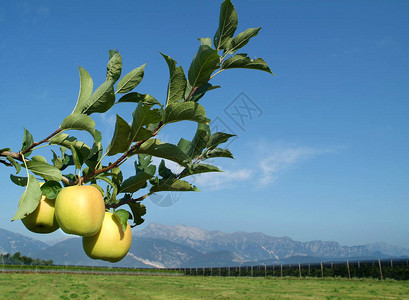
137	139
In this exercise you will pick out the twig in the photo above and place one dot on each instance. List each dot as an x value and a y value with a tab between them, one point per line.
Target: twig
5	163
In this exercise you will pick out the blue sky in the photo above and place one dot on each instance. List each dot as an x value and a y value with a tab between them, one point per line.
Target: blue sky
324	154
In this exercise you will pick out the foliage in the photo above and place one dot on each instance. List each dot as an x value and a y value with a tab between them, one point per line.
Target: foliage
74	162
18	259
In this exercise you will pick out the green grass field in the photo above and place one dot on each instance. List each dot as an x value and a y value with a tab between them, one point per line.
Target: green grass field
68	286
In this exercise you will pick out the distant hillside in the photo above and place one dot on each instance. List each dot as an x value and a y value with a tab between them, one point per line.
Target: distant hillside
159	246
11	242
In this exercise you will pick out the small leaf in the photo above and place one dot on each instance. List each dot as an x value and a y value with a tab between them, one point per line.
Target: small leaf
122	215
242	39
180	111
137	97
29	200
200	140
164	171
101	100
184	145
75	122
86	86
50	189
228	21
198	169
14	163
218	152
39	158
21	181
27	141
205	41
138	210
120	141
175	185
218	138
114	67
131	80
139	115
135	183
77	156
156	148
177	81
60	138
44	170
245	62
205	62
200	92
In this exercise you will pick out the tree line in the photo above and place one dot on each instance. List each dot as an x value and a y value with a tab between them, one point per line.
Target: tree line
18	259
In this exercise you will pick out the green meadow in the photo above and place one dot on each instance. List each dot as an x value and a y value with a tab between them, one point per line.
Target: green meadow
71	286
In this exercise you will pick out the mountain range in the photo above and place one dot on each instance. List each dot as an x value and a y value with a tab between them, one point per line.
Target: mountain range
161	246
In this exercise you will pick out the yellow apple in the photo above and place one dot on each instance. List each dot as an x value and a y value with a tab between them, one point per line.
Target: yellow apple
80	210
111	243
42	219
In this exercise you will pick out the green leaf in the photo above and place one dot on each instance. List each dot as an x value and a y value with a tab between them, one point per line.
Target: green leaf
50	189
74	122
139	119
101	100
144	171
242	39
177	81
180	111
228	21
57	162
137	97
245	62
200	140
21	181
29	200
138	210
218	138
95	153
14	163
122	215
112	183
27	141
198	169
86	86
164	171
200	92
120	141
131	80
184	145
114	67
135	183
217	152
205	62
77	156
175	185
205	41
168	151
39	158
44	170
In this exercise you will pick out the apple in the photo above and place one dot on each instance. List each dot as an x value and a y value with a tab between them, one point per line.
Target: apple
80	210
111	243
42	219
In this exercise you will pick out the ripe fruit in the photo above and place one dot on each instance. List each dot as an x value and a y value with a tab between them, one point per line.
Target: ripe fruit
42	219
80	210
111	243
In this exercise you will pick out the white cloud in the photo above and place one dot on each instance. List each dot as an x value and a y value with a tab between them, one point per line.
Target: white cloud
269	162
221	180
281	160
